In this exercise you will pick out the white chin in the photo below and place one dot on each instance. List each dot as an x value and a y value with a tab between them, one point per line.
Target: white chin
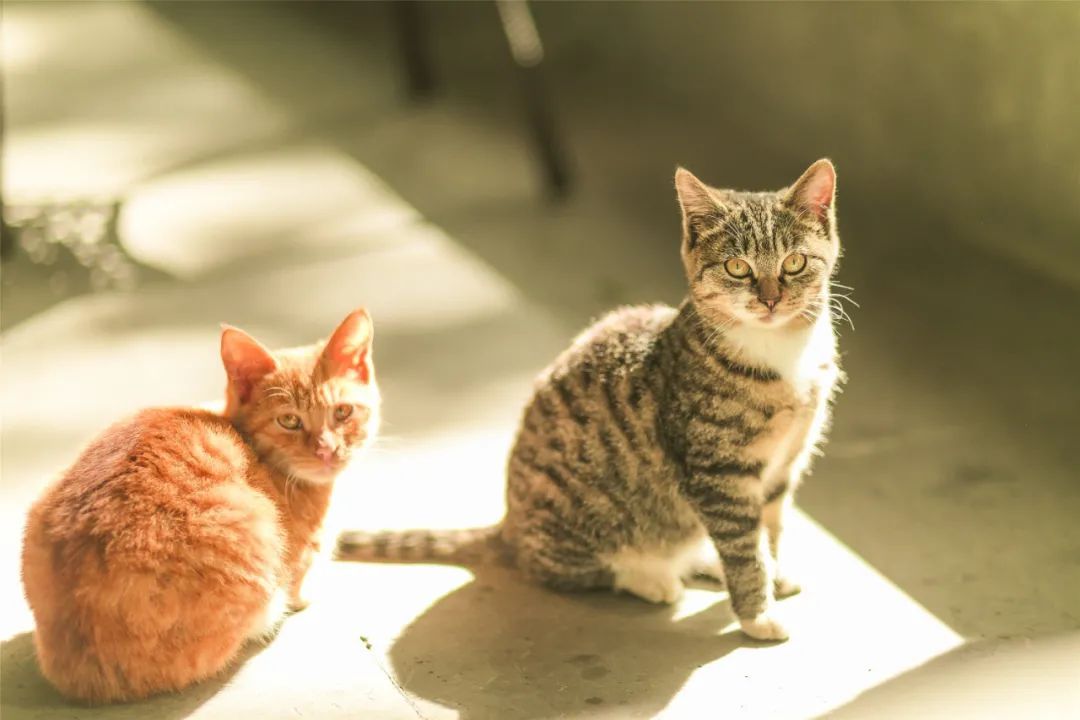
754	319
769	321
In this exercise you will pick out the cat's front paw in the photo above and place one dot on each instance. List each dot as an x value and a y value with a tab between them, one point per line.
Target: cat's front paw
712	572
298	604
656	588
784	586
764	627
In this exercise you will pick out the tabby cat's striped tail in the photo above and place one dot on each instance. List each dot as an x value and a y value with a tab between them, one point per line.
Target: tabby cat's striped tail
456	547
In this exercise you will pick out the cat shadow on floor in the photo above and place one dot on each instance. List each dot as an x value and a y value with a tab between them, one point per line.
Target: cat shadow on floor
499	647
25	693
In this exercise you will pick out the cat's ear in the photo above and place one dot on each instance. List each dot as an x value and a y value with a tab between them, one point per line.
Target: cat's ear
246	361
348	351
815	191
700	210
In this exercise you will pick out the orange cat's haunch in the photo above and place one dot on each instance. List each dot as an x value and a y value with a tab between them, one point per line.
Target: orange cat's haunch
180	534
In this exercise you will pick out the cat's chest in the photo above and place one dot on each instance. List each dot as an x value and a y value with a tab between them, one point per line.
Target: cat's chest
803	359
301	508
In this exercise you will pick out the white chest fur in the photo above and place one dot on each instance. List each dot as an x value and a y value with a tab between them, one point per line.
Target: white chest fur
801	355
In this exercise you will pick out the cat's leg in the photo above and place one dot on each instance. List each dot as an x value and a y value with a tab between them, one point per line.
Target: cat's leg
553	555
747	569
726	496
669	564
553	551
772	518
657	572
651	576
706	562
300	567
779	498
265	625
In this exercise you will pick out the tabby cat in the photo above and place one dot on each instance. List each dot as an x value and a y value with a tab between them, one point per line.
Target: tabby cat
667	442
181	534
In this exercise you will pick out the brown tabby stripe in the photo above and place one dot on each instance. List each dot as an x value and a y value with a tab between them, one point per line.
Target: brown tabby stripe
725	468
418	544
775	493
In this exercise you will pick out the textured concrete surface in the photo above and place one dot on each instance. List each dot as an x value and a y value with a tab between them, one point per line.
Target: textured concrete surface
277	189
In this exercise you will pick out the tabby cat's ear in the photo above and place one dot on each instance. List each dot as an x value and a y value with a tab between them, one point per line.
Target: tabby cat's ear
700	210
246	361
815	191
347	352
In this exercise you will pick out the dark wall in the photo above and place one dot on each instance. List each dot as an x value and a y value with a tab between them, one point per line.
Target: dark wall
968	110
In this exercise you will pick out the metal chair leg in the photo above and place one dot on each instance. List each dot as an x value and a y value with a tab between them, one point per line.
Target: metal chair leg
413	45
7	233
528	53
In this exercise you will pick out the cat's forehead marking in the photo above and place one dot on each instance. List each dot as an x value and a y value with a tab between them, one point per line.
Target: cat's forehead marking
288	387
756	225
749	227
331	391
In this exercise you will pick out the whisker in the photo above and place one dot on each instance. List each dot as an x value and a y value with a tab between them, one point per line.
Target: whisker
845	298
836	310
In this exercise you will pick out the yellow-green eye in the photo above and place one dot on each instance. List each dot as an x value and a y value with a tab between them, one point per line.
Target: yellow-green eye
343	412
794	263
737	268
289	421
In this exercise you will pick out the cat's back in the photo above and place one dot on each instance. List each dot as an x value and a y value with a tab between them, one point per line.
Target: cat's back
151	460
617	344
147	488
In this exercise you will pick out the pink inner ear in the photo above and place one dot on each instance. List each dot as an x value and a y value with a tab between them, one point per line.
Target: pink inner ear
246	361
347	349
817	189
347	362
820	191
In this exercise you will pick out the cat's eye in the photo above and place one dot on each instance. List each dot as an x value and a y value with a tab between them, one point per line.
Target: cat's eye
794	263
289	421
343	412
737	268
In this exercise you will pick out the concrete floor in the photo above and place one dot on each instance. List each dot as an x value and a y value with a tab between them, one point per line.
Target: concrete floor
276	190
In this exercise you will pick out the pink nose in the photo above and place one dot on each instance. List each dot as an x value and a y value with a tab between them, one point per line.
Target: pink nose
325	453
770	303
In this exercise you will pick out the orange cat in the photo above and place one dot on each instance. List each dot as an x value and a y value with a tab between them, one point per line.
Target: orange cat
180	534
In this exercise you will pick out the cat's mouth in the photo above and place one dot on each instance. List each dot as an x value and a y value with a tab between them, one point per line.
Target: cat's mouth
334	465
328	465
775	318
767	316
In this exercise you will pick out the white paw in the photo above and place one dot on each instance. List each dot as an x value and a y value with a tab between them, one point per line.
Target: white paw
764	627
654	588
786	587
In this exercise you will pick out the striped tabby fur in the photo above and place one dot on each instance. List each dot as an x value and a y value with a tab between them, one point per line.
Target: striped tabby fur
668	442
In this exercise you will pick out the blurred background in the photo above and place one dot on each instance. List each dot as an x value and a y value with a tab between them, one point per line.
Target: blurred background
487	177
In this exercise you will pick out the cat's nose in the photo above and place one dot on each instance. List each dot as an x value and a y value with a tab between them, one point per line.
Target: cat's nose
769	292
326	447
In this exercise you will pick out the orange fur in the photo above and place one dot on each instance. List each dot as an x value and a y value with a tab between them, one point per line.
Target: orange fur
158	554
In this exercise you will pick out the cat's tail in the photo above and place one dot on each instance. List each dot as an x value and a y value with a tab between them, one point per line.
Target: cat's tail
456	547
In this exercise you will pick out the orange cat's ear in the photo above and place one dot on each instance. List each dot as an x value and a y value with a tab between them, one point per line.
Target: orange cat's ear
246	362
347	353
